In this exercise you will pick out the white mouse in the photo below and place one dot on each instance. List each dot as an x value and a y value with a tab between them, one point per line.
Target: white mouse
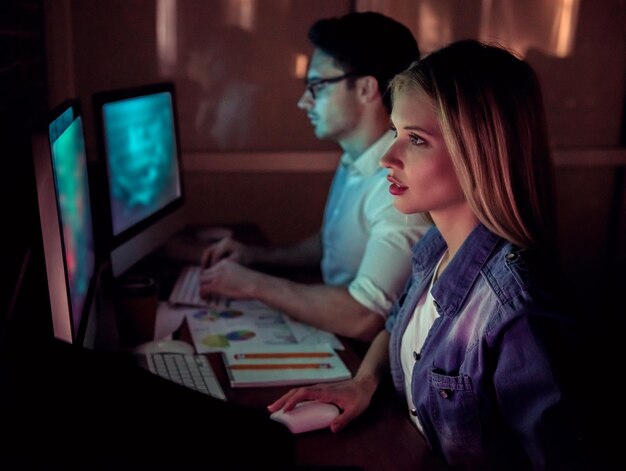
307	416
161	346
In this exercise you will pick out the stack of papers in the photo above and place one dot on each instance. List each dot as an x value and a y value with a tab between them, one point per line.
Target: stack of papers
284	365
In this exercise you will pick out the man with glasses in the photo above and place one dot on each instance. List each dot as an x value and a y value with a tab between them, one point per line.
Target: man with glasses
364	243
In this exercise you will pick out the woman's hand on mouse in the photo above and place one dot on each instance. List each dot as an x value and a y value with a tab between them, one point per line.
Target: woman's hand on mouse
352	397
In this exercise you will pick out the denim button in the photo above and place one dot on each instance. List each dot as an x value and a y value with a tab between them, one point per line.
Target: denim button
414	412
511	256
416	356
444	394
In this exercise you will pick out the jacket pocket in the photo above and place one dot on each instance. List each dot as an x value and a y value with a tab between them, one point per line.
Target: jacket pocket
453	407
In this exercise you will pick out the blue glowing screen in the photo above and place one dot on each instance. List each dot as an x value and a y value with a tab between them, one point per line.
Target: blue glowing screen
142	157
69	165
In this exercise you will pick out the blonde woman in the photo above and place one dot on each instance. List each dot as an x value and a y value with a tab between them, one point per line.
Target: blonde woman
477	346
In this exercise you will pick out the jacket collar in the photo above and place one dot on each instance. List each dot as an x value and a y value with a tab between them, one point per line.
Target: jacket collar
454	284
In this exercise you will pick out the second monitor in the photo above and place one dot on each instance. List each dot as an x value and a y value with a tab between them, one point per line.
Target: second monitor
63	195
137	136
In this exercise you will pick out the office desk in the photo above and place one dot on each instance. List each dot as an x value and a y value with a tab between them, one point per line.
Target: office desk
382	438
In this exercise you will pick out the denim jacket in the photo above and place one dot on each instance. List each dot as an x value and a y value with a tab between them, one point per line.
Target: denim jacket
489	383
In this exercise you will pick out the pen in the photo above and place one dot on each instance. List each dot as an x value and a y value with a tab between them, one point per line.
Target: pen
284	366
239	356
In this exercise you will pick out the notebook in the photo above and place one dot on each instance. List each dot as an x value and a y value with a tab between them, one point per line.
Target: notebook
284	365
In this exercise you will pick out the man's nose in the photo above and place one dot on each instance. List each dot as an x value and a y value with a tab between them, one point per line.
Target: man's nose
306	101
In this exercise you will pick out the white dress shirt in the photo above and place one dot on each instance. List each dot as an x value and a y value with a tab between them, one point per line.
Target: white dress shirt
366	242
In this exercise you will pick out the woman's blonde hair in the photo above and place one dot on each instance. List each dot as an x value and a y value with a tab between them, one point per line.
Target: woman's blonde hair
490	109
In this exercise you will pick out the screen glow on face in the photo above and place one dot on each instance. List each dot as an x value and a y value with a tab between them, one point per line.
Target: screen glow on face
141	157
72	190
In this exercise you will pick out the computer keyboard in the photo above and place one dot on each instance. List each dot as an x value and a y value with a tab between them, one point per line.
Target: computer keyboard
186	290
193	371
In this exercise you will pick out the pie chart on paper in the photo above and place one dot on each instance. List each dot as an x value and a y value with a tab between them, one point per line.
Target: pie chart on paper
237	335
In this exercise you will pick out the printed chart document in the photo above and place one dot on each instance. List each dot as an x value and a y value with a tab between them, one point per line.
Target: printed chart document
284	365
250	324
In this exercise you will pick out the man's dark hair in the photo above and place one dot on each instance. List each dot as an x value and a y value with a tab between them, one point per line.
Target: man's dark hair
367	43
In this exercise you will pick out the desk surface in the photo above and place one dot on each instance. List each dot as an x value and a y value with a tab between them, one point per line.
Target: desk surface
381	438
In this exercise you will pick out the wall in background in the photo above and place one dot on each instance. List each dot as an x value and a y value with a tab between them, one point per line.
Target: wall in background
287	207
577	48
238	65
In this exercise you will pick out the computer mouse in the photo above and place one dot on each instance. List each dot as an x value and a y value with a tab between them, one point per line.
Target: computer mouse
307	416
164	346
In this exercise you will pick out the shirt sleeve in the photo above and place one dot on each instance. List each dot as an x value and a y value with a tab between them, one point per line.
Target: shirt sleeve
386	263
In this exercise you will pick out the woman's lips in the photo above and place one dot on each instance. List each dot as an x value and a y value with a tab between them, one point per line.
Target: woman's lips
396	188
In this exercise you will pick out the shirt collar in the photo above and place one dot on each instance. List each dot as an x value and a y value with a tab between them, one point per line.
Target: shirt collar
368	162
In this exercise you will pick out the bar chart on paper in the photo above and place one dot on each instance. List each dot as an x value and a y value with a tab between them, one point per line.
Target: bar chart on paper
284	365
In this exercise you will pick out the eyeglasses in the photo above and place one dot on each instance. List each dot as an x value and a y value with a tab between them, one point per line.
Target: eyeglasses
317	85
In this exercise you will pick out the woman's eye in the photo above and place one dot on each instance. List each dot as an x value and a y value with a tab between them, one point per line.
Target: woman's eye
416	140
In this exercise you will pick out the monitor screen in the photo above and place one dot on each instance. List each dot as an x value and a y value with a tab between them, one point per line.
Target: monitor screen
137	135
66	221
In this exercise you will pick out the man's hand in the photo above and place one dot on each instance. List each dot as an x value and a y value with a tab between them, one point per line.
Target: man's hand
226	249
228	279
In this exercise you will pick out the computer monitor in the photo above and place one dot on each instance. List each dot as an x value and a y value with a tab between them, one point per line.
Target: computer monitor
137	135
65	213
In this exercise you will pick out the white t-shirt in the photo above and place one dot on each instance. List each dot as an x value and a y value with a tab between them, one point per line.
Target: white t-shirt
413	340
366	242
